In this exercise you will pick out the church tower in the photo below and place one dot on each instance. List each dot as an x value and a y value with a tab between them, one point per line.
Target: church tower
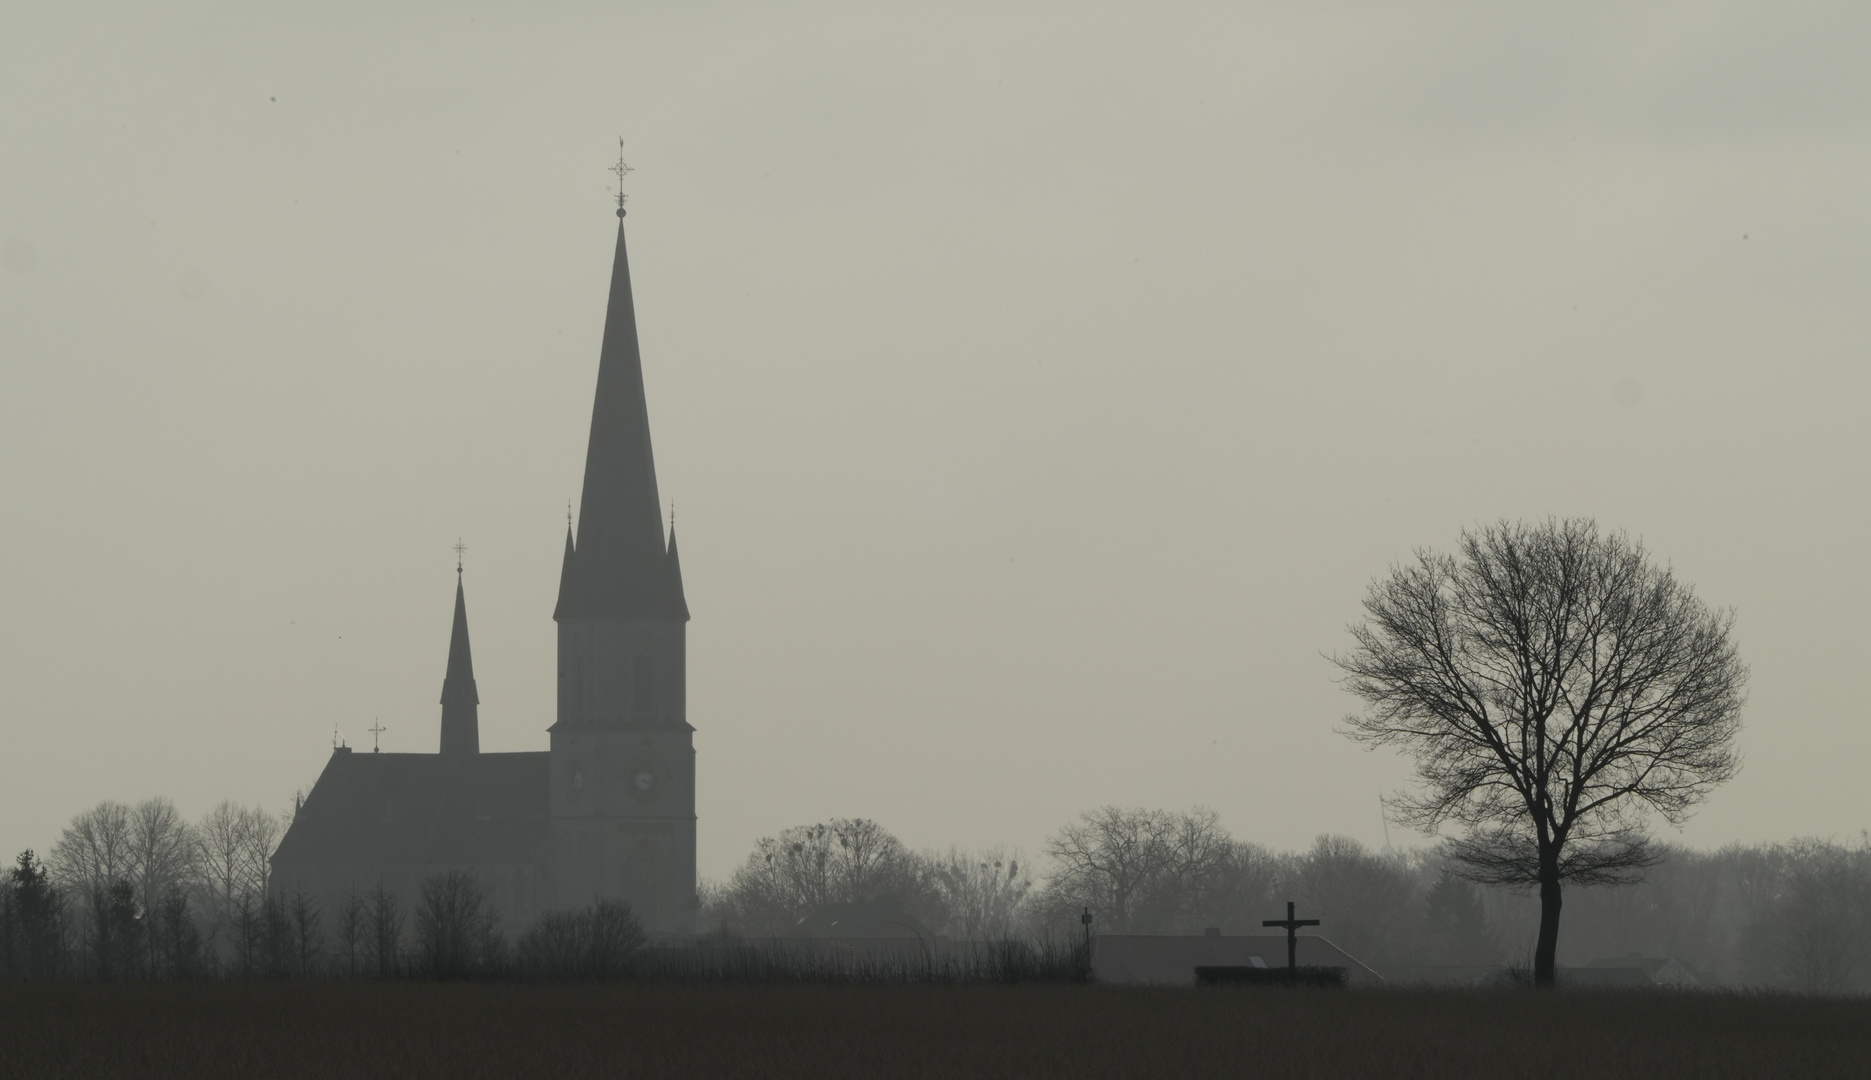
622	801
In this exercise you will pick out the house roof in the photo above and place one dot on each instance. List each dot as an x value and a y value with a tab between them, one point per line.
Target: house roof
421	808
879	917
1172	959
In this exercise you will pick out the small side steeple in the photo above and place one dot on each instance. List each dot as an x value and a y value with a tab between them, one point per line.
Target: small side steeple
566	584
678	601
461	720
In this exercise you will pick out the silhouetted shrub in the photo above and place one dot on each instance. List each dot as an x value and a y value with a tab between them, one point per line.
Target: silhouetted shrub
457	928
597	942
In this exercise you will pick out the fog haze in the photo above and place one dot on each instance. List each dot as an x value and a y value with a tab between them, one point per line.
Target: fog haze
1037	390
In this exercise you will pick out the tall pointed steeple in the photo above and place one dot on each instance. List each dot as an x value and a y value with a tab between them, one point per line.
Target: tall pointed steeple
622	794
461	719
618	567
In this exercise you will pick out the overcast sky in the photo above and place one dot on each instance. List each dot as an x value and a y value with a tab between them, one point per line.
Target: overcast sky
1039	386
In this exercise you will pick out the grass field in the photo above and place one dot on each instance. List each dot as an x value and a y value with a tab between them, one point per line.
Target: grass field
336	1029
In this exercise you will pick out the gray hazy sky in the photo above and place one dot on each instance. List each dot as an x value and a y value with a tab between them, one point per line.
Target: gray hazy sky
1039	386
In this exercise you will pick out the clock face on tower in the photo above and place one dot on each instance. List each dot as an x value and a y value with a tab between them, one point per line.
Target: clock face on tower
640	780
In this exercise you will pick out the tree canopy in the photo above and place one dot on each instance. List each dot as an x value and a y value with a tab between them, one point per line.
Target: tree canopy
1555	687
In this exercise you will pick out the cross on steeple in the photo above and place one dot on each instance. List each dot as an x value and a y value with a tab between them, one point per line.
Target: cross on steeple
1292	926
622	170
460	550
376	730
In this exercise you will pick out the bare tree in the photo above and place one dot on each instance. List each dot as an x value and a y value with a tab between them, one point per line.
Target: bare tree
457	928
94	850
175	943
1195	850
1108	860
1819	925
984	892
308	938
1555	688
114	936
233	844
162	852
1363	898
351	926
1455	925
807	867
598	942
1244	888
383	931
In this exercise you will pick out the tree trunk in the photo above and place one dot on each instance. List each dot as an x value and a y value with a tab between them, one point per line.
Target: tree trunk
1545	972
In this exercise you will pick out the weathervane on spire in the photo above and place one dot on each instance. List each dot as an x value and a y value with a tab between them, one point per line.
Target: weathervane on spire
622	170
460	550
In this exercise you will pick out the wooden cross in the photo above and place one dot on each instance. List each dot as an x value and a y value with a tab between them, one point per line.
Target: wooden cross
376	729
1292	926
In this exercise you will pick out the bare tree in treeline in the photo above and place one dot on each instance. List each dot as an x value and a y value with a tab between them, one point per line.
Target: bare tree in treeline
1815	923
233	845
176	946
383	932
195	892
595	942
1554	686
808	867
984	893
95	848
1455	926
1155	871
457	928
114	932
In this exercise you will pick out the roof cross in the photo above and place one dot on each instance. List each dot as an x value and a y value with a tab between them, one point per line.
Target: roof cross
376	730
1292	926
460	550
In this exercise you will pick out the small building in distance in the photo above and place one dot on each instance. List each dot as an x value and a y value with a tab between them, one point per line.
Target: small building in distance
1171	959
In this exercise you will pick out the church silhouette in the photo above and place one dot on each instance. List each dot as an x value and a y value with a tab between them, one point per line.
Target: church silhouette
608	811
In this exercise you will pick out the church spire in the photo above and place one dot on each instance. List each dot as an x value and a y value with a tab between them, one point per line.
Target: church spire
618	567
461	722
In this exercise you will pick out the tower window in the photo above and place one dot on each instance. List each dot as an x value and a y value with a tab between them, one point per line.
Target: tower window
643	686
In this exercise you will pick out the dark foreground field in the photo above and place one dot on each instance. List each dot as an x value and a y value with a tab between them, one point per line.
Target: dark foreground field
314	1029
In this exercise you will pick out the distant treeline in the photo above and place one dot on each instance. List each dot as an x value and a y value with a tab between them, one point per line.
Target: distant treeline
1793	915
138	892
